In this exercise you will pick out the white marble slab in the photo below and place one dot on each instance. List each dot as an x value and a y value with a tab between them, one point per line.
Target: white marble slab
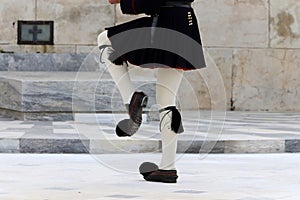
266	80
79	21
228	23
285	24
10	12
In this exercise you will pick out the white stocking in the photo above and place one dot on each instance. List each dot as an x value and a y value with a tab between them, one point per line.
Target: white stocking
119	73
168	81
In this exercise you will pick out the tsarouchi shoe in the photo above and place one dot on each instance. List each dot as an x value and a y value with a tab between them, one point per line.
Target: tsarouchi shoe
128	127
151	172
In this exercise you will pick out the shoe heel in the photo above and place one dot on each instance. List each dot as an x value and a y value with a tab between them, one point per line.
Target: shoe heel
144	101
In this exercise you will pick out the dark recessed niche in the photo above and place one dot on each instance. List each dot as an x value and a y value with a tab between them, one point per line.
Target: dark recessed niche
35	32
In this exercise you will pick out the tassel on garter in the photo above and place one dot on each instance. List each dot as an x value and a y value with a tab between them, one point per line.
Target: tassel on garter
176	122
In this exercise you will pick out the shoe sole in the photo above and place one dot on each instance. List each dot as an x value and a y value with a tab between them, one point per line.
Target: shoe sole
163	180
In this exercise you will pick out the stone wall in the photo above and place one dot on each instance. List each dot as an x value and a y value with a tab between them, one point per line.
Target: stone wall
258	42
76	23
255	45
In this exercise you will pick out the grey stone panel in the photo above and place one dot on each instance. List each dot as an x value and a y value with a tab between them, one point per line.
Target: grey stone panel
43	93
255	146
43	62
9	145
198	146
11	94
292	146
53	146
11	114
123	146
90	96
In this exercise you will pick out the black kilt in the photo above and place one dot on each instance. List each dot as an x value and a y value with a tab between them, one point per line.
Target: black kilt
182	20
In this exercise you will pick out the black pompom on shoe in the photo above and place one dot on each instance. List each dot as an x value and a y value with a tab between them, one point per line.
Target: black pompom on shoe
128	127
151	172
122	128
147	167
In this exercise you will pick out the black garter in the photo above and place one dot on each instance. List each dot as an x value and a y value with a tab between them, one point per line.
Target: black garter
176	123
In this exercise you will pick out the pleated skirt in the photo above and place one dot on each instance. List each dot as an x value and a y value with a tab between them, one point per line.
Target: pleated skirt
170	40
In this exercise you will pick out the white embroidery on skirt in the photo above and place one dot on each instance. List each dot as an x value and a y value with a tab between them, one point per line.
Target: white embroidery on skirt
190	18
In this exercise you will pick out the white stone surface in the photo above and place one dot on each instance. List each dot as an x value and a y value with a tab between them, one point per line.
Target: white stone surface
260	39
250	146
9	145
105	177
103	118
13	48
201	85
231	132
232	23
121	18
76	21
86	49
10	94
285	23
10	12
64	91
266	79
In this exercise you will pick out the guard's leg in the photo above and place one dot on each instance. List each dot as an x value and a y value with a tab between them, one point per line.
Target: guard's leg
119	73
168	81
134	101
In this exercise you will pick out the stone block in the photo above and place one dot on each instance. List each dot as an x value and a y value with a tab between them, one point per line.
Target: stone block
13	48
266	80
9	145
285	23
10	14
255	146
55	93
121	18
233	23
54	146
199	146
85	49
76	21
123	146
44	62
10	94
205	87
292	146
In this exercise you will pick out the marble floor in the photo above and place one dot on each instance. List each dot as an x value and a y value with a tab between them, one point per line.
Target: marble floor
115	177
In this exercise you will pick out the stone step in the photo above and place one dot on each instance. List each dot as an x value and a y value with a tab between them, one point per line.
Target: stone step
57	95
43	62
104	118
241	132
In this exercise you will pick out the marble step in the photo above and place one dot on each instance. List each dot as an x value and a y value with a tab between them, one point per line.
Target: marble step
205	131
43	62
58	95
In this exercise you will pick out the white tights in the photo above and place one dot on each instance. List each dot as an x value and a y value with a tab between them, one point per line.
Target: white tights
119	73
168	81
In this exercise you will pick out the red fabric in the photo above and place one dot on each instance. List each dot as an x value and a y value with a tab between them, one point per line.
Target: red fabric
133	8
182	68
